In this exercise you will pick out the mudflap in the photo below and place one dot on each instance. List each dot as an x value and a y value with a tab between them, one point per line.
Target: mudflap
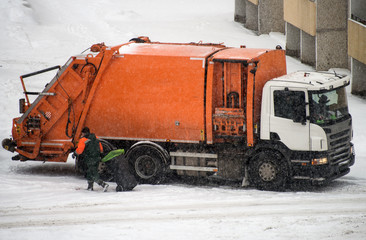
125	180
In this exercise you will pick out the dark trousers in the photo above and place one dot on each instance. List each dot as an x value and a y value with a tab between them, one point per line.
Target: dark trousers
92	174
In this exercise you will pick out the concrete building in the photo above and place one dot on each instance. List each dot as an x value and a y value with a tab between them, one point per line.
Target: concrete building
316	31
357	45
262	16
322	33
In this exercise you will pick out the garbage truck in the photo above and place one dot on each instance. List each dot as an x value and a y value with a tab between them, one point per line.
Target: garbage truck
192	109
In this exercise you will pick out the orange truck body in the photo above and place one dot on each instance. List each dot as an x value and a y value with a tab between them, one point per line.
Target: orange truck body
159	92
192	108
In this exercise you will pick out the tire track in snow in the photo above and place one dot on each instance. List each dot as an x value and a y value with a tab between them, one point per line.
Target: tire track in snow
111	213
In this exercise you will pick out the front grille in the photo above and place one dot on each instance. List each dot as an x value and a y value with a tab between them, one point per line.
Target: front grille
340	154
340	144
339	141
340	134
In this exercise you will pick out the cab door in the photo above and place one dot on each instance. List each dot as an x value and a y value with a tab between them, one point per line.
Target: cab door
288	119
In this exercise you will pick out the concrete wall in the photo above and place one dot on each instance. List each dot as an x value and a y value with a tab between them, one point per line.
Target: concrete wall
357	40
240	8
316	31
251	13
357	45
270	16
301	14
307	48
358	78
292	40
322	27
331	34
358	8
262	16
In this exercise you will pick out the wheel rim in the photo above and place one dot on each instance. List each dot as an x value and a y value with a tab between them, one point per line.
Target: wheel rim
146	167
267	172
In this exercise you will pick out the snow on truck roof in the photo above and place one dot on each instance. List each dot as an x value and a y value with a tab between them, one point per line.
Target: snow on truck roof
239	54
194	50
315	80
178	50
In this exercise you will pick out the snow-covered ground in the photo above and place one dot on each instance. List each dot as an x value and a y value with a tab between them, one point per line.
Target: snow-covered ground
48	201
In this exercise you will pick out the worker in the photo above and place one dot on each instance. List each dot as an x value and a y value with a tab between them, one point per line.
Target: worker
90	148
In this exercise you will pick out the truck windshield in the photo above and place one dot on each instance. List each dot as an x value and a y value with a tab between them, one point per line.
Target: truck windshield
326	107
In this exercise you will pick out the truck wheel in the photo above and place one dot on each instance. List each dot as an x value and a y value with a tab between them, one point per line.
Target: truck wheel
148	165
267	171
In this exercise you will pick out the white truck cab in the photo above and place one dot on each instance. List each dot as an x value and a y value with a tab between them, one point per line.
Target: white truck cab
306	115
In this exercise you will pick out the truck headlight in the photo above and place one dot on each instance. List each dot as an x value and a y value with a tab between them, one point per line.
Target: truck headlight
319	161
353	150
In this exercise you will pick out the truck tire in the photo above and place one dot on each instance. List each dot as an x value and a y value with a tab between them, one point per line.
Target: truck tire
148	164
267	171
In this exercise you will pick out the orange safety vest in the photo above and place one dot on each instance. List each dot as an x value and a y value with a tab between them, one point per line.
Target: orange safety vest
81	145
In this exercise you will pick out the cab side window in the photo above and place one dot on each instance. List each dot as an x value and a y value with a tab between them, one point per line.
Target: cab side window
289	104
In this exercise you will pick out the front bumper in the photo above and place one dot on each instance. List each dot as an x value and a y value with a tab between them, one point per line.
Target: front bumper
321	174
322	180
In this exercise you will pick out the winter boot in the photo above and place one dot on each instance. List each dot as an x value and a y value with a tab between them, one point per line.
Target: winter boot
103	185
90	186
